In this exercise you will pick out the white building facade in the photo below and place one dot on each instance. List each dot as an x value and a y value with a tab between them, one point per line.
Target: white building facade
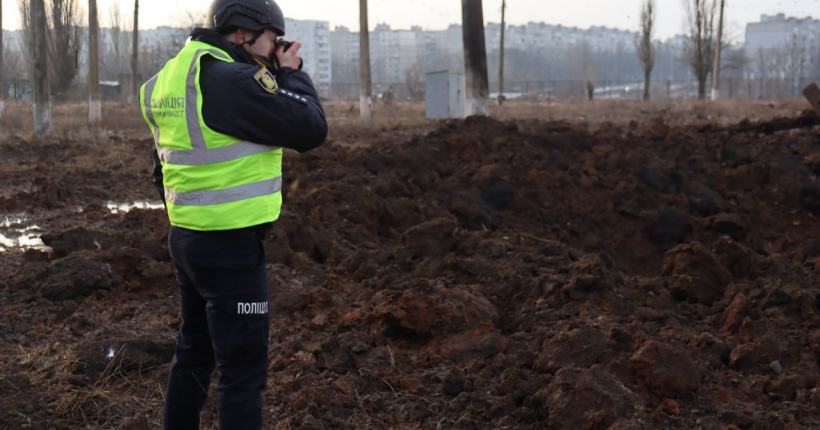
316	50
783	48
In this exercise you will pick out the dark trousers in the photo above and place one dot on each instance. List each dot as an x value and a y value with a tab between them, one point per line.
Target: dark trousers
224	293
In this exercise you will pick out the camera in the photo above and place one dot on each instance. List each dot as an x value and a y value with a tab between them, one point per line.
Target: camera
283	42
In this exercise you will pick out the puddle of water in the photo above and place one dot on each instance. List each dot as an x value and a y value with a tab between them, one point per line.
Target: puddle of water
115	207
20	236
17	234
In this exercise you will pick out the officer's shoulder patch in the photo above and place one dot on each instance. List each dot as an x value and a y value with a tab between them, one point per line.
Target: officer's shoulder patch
266	79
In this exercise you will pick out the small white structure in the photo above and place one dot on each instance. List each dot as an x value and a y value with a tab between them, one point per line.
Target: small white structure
444	95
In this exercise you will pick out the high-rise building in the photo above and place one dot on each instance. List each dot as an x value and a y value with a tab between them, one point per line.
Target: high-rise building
315	51
441	49
393	54
777	31
784	48
344	47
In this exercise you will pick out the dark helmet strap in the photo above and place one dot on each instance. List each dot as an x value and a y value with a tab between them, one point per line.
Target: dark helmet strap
254	39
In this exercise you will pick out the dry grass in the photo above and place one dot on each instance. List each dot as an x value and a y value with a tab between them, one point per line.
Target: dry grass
391	121
70	121
678	112
101	404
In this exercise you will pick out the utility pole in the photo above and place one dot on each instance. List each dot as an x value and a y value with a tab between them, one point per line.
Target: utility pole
716	70
476	83
2	82
365	86
94	107
39	57
501	57
135	37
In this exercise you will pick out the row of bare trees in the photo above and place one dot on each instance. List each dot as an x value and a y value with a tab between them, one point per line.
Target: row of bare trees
64	39
702	41
52	39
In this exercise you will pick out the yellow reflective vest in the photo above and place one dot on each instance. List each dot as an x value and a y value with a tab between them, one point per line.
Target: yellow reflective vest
212	181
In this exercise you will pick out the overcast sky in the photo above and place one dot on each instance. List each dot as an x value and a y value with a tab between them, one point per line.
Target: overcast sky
438	14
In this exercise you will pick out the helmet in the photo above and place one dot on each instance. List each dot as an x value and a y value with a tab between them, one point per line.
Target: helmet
225	16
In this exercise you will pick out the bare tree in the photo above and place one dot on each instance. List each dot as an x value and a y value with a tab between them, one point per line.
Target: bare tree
153	57
14	63
186	22
814	67
115	62
797	58
700	44
24	7
768	62
644	46
65	33
718	48
761	64
735	62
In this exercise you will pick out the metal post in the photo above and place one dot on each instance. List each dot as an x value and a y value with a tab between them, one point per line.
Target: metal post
39	56
2	83
476	83
135	37
716	69
94	107
501	56
365	86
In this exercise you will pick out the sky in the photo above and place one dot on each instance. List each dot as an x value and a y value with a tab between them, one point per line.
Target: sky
438	14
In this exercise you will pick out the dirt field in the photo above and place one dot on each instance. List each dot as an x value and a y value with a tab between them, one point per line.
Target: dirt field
607	265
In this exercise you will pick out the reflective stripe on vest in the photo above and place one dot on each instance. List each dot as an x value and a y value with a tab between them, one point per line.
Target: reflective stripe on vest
199	154
227	195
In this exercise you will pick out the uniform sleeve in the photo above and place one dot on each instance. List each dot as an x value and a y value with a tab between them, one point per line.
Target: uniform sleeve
235	103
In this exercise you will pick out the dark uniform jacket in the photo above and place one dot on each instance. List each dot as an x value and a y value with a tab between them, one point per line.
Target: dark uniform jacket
234	103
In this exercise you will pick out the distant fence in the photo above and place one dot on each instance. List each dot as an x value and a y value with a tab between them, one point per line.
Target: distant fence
730	88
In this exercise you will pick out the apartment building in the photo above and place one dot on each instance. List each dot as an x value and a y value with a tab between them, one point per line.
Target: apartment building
539	36
781	47
315	51
777	31
441	49
344	48
397	54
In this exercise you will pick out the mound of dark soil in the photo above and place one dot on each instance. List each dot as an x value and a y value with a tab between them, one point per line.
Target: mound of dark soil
488	274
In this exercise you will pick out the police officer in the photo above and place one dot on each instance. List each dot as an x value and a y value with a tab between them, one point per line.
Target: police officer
221	111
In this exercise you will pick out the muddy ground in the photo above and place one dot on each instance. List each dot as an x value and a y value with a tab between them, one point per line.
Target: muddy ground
475	274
